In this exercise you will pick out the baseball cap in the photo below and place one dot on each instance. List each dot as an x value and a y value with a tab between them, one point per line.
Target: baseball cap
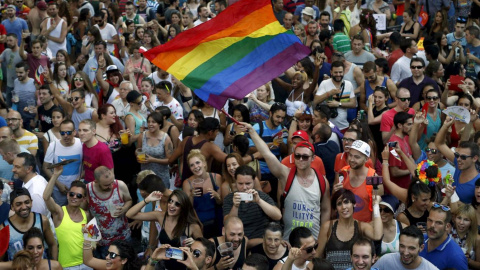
133	96
42	5
12	6
112	68
305	144
362	147
391	202
300	134
17	193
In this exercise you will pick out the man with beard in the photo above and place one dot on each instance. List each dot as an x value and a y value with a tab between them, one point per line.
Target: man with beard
254	214
24	137
130	14
44	112
108	201
402	100
55	29
363	254
312	33
417	81
232	232
67	148
338	94
13	24
325	21
352	177
25	89
302	252
11	58
68	220
202	15
278	10
107	31
95	153
23	220
341	160
440	248
358	55
373	81
411	243
187	20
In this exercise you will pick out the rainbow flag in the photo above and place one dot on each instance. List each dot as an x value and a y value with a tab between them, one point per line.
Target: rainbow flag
39	77
231	55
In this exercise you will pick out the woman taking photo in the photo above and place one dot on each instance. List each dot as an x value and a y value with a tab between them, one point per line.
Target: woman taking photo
337	236
203	189
179	220
138	65
157	146
464	233
81	80
259	103
121	256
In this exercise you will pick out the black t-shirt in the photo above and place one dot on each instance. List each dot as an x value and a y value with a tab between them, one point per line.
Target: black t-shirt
45	117
271	262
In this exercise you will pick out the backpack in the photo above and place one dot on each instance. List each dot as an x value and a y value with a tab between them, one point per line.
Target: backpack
291	176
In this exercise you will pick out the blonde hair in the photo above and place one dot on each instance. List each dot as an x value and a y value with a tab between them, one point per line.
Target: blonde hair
468	211
22	260
141	175
198	154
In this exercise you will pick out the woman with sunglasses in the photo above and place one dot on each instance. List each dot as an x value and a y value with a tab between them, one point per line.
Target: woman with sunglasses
376	107
121	256
391	226
464	233
81	80
179	220
430	107
337	236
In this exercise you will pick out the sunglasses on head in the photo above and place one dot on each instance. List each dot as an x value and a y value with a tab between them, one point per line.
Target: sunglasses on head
462	19
78	79
302	157
404	99
462	157
433	151
443	207
310	249
73	194
177	204
63	133
113	255
196	253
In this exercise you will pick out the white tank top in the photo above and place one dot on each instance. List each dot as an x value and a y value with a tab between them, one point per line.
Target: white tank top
52	45
302	208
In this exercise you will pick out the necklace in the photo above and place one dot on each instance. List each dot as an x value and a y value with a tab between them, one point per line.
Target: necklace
305	180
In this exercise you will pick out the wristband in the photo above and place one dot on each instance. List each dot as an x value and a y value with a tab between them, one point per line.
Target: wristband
376	210
145	201
252	157
153	262
454	197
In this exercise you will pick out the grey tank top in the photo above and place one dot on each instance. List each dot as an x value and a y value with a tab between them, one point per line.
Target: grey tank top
78	117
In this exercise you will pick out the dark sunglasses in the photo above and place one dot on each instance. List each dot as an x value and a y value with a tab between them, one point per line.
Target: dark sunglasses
63	133
113	255
177	204
196	253
302	157
404	99
443	207
73	194
386	210
432	98
416	67
433	151
380	88
462	19
310	249
462	157
74	99
78	79
348	140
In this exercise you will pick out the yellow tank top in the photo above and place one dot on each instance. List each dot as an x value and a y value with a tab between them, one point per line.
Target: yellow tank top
70	240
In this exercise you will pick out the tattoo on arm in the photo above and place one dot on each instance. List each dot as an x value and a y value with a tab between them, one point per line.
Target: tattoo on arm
169	148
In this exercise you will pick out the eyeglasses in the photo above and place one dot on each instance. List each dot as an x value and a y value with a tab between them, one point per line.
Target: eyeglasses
302	157
177	204
462	157
12	119
416	67
310	249
403	99
74	99
196	253
73	194
113	255
433	151
348	140
432	98
443	207
386	210
78	79
63	133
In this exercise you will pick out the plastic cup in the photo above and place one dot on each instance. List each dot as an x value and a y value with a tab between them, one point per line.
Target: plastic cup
15	97
226	249
141	155
198	186
31	106
113	208
124	137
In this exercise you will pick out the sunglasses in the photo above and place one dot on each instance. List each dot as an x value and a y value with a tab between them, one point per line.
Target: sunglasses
380	88
63	133
433	151
78	79
443	207
74	99
113	255
310	249
461	19
348	140
462	157
196	253
432	98
404	99
416	67
386	210
302	157
177	204
79	196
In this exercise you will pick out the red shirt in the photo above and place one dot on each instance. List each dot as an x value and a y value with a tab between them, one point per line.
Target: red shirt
317	163
3	31
394	56
402	181
363	195
387	119
94	157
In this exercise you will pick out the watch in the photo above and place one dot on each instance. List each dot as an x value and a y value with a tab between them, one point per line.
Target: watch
339	104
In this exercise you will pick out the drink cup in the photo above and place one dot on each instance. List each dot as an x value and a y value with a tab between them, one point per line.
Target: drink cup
15	97
31	106
124	137
141	155
198	187
113	208
226	249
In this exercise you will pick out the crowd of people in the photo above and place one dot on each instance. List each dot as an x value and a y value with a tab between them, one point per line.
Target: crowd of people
363	155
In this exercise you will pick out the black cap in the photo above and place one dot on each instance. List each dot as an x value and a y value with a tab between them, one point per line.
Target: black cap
19	192
133	96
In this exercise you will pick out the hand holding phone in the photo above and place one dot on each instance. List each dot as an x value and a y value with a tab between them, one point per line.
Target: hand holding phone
175	253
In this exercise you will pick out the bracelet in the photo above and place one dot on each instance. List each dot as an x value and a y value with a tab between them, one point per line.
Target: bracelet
385	163
153	261
252	157
145	201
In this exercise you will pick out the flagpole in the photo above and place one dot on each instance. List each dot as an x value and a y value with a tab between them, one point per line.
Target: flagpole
231	118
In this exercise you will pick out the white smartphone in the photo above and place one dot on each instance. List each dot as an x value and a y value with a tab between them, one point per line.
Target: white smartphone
246	197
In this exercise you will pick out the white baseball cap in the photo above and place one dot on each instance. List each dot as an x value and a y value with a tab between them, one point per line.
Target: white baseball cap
362	147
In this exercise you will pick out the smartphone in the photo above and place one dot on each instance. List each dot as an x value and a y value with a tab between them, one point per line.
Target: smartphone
246	197
392	144
374	180
233	133
175	253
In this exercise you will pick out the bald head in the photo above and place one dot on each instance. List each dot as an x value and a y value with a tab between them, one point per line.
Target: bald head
5	133
232	221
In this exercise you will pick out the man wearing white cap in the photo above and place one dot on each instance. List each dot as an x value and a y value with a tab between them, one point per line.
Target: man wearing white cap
306	196
353	176
309	5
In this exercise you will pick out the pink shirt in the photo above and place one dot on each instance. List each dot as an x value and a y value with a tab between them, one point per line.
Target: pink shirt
387	119
94	157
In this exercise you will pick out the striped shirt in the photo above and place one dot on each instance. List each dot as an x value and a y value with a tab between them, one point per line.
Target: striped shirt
341	43
28	141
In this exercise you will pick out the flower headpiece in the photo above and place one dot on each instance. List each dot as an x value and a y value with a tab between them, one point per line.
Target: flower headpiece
422	174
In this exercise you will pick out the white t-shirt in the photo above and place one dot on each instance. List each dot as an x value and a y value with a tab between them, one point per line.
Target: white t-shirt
401	69
175	108
56	153
108	32
348	93
294	267
198	22
36	187
392	261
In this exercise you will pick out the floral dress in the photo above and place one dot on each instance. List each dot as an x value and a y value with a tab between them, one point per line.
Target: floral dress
157	151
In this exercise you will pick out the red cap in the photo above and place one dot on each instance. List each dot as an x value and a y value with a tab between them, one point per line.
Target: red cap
42	5
300	134
306	144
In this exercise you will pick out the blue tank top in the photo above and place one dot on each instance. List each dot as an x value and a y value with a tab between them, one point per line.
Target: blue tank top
465	191
139	122
369	91
16	236
204	205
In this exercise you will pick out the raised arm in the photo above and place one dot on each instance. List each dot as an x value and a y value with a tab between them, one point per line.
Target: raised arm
440	140
399	192
91	261
413	138
99	73
374	231
21	49
54	208
134	212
